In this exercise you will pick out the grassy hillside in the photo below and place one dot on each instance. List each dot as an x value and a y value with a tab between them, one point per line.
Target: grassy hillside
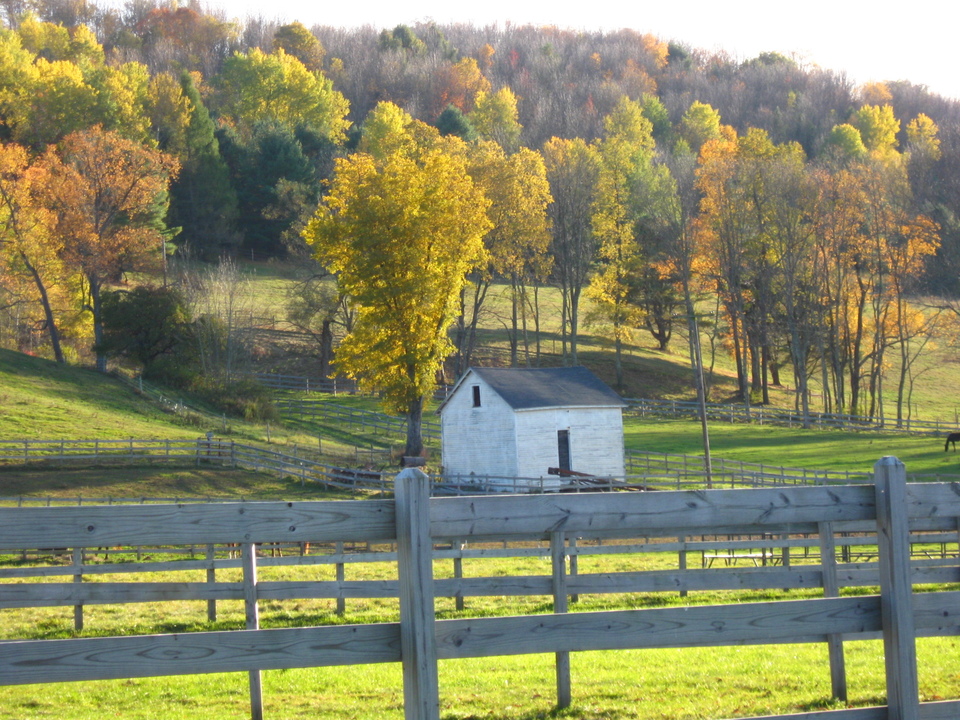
40	399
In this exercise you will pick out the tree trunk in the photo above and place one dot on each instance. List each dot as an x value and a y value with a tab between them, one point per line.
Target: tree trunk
49	318
326	348
414	446
97	324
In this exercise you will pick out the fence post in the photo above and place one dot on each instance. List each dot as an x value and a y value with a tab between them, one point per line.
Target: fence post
574	564
78	578
558	558
249	561
458	570
831	589
341	576
418	648
896	590
211	580
682	559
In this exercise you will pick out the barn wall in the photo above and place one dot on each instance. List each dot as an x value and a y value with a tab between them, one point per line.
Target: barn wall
479	440
596	440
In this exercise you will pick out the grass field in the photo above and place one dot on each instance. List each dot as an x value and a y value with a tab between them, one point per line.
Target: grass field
629	685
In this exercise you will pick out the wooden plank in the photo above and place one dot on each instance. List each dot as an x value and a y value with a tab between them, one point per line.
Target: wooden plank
867	713
110	525
947	710
559	582
831	589
32	661
61	594
252	613
896	591
421	690
688	511
791	621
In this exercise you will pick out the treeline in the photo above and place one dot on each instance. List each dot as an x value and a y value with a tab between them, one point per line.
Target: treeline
647	174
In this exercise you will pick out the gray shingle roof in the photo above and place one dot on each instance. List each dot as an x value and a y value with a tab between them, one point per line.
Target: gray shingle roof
525	389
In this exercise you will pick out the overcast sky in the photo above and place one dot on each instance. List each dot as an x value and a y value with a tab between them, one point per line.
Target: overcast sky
868	40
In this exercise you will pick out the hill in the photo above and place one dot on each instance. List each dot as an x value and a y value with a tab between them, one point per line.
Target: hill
39	398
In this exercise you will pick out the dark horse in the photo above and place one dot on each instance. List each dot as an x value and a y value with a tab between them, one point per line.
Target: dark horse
952	438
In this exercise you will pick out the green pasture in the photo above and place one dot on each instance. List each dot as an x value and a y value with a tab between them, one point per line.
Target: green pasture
701	684
641	684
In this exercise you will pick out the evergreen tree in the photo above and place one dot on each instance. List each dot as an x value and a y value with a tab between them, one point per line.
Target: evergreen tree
203	203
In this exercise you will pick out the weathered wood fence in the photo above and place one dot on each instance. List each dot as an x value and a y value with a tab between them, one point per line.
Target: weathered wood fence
739	413
368	422
417	522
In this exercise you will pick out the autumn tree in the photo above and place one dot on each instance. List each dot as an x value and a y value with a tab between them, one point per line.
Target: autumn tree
255	87
516	244
629	186
28	255
495	118
108	198
401	229
296	40
572	168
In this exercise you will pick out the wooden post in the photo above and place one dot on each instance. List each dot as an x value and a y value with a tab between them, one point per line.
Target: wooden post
249	561
418	647
682	539
896	590
574	564
458	570
831	589
341	576
78	578
558	558
211	580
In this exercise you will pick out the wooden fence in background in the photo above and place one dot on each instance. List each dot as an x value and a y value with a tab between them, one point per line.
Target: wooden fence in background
416	522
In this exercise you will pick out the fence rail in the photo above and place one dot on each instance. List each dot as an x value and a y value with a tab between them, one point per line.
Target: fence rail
300	383
779	416
645	470
364	420
416	523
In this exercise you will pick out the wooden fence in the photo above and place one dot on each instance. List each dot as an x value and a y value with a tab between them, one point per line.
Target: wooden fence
363	421
292	462
738	413
743	562
649	470
416	523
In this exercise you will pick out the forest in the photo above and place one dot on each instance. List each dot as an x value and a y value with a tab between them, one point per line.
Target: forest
807	223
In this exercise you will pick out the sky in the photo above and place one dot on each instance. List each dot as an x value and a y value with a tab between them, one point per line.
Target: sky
870	41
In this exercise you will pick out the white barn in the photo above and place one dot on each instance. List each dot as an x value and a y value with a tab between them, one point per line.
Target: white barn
503	423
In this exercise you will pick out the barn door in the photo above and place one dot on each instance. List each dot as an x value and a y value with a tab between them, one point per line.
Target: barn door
563	448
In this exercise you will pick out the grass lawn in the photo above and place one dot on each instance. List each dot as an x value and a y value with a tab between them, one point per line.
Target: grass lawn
795	448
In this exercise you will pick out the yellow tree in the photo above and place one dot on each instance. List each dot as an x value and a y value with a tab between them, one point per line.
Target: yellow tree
257	86
401	230
495	117
108	197
517	242
626	182
27	250
572	169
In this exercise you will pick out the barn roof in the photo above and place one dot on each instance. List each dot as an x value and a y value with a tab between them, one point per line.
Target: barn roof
529	388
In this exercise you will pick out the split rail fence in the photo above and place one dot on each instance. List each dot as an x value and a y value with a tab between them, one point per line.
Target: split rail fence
417	523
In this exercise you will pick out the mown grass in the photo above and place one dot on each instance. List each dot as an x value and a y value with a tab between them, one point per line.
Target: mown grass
643	684
709	683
